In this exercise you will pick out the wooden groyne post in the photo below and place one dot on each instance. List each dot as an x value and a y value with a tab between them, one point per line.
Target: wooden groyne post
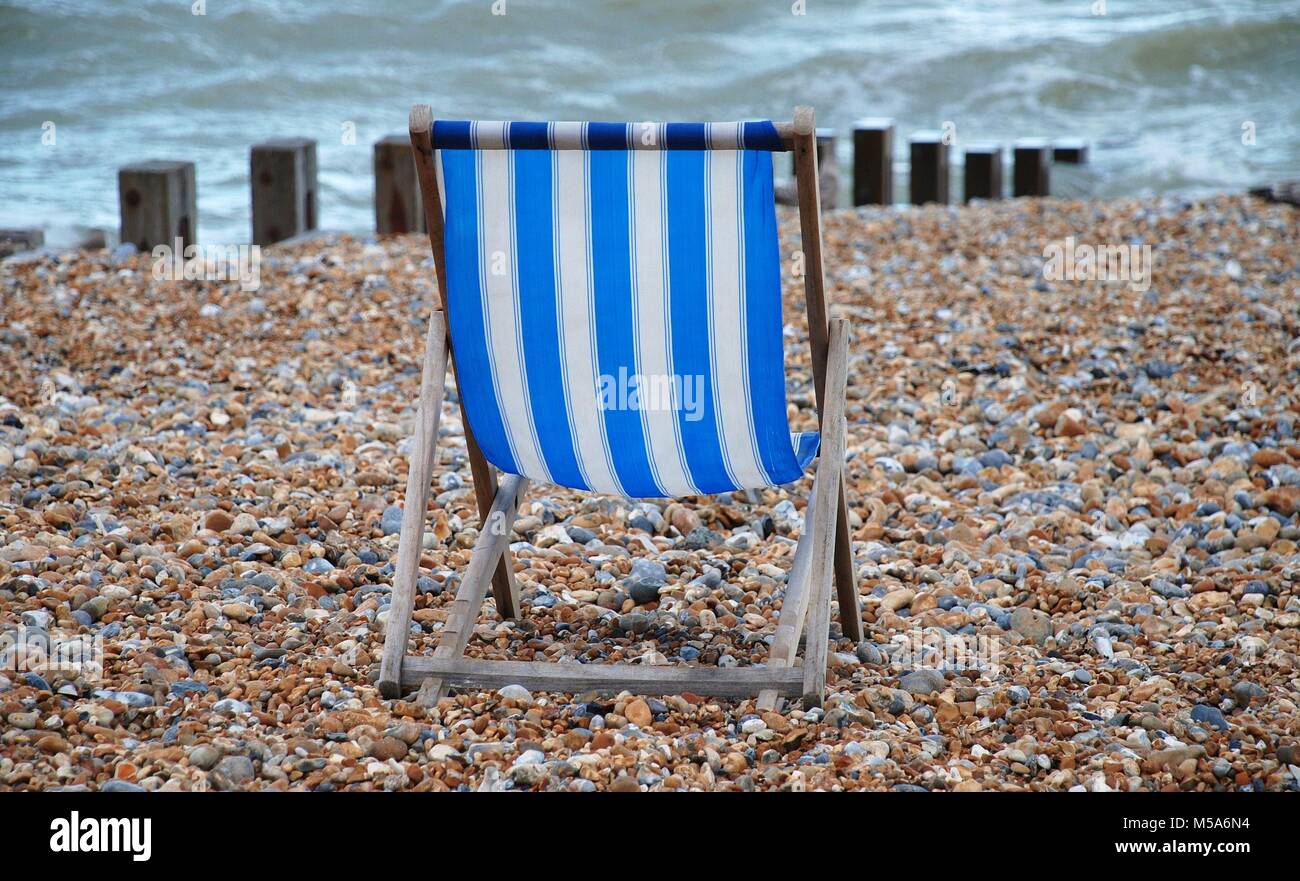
1033	158
397	190
1070	151
14	241
157	204
929	174
828	174
982	178
828	170
873	161
283	177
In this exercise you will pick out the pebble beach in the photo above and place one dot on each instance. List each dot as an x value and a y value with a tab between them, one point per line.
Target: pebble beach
1075	509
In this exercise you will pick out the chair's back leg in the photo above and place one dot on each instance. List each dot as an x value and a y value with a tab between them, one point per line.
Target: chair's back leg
505	589
432	386
810	231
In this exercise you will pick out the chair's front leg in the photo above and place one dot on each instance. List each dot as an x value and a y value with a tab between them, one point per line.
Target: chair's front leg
825	504
432	387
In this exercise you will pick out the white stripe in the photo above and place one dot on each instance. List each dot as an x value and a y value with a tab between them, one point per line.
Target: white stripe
488	135
559	311
566	135
727	322
653	332
573	276
501	310
724	135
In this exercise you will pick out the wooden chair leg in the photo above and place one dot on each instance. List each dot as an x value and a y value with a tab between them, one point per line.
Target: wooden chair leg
810	233
794	607
492	540
505	589
419	475
828	482
846	576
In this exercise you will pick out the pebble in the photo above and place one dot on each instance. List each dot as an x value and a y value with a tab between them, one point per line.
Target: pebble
1245	692
1210	716
37	618
232	773
921	682
638	713
1032	624
527	775
867	653
389	748
391	522
516	693
244	524
644	581
204	757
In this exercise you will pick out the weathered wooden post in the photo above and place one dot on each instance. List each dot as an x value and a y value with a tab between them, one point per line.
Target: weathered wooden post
157	204
983	174
828	174
929	173
397	190
1033	157
873	161
283	175
14	241
1070	151
828	170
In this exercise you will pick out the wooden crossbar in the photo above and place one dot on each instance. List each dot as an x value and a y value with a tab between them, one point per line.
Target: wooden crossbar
571	678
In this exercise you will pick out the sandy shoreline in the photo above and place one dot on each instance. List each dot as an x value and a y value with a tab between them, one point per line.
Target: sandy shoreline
1098	483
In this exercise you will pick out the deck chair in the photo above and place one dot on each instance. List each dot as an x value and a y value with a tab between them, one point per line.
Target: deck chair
583	264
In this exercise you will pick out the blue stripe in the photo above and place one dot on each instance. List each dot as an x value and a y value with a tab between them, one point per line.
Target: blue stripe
464	308
539	314
452	134
616	347
607	135
805	447
684	136
689	307
762	291
761	135
529	136
665	273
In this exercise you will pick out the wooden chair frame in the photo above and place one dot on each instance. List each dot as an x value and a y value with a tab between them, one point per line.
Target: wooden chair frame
823	553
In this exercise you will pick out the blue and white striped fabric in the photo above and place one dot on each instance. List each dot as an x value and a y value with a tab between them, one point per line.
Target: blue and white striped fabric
615	313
